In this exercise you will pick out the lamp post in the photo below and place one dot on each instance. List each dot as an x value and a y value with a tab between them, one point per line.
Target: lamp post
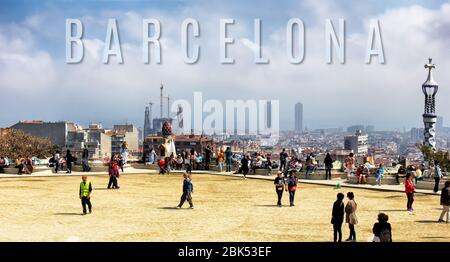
429	89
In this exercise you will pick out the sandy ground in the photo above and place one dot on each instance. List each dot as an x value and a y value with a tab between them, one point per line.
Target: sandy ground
226	209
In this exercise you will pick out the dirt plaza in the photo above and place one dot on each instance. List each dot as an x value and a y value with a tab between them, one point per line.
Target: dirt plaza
226	209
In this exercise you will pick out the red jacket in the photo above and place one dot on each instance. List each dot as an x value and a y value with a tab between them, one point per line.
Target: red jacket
409	186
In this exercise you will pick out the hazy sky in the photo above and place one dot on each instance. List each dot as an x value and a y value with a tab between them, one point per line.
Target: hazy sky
36	83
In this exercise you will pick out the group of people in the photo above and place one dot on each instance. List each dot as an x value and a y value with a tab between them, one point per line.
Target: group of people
24	165
58	161
288	184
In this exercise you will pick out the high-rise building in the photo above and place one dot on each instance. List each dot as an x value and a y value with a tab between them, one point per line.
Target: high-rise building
269	115
358	143
147	122
298	117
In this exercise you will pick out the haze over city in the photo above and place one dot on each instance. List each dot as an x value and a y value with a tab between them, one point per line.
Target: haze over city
38	84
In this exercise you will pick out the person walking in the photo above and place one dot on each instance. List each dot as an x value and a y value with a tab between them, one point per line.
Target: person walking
283	159
337	217
152	156
437	176
69	160
328	161
113	170
445	202
291	182
57	160
188	190
380	174
409	190
382	230
350	216
228	158
279	187
85	194
245	165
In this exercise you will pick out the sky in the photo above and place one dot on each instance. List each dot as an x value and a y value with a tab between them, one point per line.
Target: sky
36	83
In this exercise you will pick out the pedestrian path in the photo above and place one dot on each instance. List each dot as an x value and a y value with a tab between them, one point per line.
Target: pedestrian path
134	171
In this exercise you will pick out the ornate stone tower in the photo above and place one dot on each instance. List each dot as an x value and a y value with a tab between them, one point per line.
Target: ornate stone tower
429	89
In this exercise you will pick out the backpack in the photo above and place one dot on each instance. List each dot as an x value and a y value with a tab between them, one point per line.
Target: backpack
385	235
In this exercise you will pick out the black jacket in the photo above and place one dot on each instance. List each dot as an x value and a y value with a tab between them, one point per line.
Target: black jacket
445	196
337	217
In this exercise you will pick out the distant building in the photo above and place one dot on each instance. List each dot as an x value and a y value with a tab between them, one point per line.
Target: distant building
269	115
416	135
93	138
353	129
358	143
147	122
370	128
298	115
121	133
56	132
440	123
3	131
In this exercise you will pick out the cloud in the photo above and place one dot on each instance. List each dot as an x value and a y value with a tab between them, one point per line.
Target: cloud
387	95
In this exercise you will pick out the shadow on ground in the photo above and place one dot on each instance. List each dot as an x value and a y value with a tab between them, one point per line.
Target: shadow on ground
68	214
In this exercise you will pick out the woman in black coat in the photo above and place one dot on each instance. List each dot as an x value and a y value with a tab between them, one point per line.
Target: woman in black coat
337	217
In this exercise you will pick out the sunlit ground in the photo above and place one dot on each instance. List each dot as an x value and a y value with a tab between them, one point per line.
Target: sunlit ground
226	209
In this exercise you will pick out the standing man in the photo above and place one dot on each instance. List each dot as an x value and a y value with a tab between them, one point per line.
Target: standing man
245	162
85	160
207	157
328	161
188	189
437	176
85	194
283	159
228	158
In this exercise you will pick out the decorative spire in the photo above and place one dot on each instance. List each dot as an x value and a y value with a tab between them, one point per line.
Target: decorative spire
430	79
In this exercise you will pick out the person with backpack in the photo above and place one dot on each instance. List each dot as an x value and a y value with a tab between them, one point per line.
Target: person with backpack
337	217
437	176
445	202
350	216
279	187
382	230
291	182
409	190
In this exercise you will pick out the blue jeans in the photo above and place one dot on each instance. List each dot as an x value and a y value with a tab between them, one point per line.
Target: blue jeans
379	178
228	163
291	197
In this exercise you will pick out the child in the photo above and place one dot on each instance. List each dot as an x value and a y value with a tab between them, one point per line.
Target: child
162	167
85	194
188	189
113	171
337	217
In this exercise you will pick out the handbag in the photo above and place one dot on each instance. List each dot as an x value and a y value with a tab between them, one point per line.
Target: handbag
292	189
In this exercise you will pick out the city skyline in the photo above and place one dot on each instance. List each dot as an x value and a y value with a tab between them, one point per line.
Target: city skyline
334	95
